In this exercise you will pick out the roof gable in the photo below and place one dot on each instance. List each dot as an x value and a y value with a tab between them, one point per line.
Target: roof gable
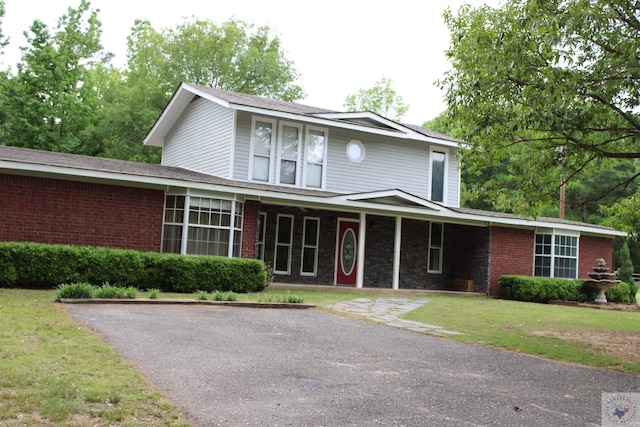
362	121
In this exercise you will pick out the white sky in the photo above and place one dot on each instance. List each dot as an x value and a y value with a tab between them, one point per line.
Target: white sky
338	46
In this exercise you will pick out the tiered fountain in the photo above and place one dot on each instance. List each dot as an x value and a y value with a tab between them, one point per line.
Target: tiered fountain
601	280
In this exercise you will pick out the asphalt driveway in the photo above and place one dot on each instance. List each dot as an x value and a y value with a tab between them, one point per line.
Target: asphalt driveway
233	366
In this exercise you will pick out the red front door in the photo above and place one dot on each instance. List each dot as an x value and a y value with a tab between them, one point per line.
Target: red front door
347	270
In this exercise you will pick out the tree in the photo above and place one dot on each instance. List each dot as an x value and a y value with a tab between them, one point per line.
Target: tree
233	56
51	103
3	41
547	90
380	99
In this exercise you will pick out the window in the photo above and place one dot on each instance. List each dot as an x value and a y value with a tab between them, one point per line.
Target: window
435	248
284	239
262	144
202	226
173	224
315	156
355	151
289	146
556	255
262	231
310	246
437	175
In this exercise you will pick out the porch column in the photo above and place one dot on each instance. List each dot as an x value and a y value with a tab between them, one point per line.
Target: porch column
361	243
396	253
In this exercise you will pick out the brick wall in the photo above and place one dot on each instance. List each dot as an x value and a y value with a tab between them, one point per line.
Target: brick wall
511	253
591	248
250	229
79	213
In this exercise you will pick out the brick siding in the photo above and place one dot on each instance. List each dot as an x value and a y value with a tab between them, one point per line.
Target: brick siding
80	213
250	229
511	253
590	249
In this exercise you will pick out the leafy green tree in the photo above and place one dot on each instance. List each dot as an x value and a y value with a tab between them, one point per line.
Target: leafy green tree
380	99
233	56
549	91
3	40
50	102
624	266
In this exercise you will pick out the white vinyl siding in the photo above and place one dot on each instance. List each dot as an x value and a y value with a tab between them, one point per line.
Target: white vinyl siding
201	139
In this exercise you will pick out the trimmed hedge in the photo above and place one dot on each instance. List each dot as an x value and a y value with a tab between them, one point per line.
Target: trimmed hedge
542	289
43	266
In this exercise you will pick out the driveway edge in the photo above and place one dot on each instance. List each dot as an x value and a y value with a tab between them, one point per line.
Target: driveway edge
185	302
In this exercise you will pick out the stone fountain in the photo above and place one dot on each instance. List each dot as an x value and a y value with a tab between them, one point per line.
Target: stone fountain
601	280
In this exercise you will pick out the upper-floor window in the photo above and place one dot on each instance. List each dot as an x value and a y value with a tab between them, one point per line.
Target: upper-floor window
289	142
556	255
438	160
316	152
262	145
276	153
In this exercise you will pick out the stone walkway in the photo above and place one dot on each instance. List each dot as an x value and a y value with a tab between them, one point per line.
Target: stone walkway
388	311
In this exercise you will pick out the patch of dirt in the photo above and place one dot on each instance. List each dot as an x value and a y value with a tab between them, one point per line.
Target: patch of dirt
622	345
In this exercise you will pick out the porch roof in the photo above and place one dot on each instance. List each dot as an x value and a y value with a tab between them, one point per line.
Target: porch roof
389	202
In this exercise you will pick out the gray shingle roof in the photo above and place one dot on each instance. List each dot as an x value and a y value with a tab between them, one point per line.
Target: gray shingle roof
100	164
295	108
260	102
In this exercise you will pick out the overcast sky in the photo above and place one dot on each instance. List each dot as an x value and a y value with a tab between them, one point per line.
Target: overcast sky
338	46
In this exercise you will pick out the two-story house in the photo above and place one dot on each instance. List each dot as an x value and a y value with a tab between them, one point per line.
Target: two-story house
324	197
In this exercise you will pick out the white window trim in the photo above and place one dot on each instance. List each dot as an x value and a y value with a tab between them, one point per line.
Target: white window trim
356	159
289	245
263	230
441	248
553	233
445	181
298	154
324	155
272	154
186	225
304	246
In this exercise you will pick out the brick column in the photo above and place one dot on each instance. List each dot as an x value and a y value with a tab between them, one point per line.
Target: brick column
250	228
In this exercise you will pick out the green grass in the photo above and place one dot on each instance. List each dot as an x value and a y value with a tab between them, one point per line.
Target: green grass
56	372
530	328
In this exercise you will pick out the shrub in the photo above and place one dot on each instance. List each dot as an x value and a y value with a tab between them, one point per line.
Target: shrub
617	293
541	289
202	295
42	266
117	292
153	293
75	290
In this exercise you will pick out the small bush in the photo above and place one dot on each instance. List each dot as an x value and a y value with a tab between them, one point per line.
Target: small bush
224	296
202	295
153	293
540	289
115	292
281	298
75	290
617	293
